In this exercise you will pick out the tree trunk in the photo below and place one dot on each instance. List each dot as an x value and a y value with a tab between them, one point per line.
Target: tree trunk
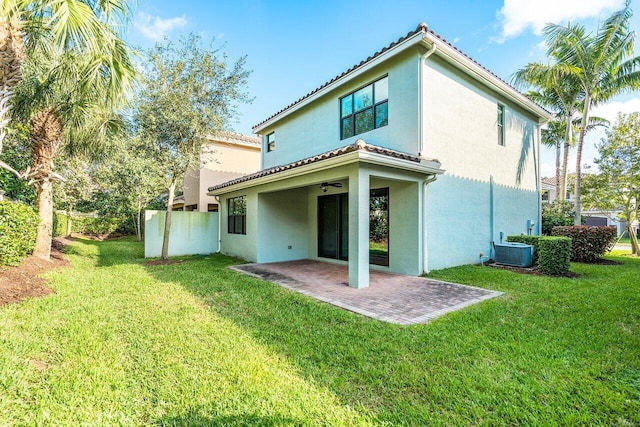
633	237
69	221
583	130
45	136
12	55
557	168
139	222
565	160
167	221
44	233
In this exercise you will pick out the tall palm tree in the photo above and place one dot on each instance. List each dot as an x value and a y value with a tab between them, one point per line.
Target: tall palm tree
602	64
82	26
558	91
62	113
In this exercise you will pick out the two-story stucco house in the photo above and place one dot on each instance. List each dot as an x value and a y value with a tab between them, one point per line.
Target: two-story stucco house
416	158
225	156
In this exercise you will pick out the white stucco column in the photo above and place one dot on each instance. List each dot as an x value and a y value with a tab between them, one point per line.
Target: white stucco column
359	228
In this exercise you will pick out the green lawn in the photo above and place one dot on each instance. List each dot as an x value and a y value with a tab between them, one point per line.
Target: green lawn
195	343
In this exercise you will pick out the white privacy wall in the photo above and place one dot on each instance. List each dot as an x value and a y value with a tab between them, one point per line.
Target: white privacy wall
192	233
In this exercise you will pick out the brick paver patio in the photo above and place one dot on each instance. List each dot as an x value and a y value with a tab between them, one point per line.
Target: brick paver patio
390	297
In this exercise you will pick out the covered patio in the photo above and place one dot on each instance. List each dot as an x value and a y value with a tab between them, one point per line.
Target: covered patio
390	297
320	208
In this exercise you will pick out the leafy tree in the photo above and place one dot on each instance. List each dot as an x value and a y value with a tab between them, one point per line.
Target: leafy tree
603	65
559	213
617	187
85	27
188	92
129	181
76	187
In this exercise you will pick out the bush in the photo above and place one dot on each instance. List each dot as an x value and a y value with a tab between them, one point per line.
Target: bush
555	255
529	240
93	226
18	223
588	243
560	213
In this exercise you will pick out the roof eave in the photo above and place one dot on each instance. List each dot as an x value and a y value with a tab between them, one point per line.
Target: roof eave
427	167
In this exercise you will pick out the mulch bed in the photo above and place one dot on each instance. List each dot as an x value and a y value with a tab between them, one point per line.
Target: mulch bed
24	281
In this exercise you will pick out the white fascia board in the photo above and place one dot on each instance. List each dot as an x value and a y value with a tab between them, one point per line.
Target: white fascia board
424	167
476	71
411	41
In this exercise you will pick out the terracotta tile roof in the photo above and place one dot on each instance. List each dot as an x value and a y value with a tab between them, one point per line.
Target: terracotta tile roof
422	28
549	181
358	145
227	136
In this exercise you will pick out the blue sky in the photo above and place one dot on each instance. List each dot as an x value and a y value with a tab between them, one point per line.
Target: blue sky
295	46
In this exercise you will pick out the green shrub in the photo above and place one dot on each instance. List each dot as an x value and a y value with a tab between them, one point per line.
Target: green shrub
555	255
559	213
18	223
588	243
529	240
93	226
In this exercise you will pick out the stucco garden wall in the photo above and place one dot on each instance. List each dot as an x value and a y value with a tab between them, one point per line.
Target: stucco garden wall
191	233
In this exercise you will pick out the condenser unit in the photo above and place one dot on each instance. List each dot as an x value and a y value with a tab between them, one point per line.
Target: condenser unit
515	254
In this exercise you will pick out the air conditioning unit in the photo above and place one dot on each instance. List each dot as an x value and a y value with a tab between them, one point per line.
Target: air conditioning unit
515	254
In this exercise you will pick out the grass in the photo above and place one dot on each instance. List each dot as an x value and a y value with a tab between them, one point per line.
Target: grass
195	343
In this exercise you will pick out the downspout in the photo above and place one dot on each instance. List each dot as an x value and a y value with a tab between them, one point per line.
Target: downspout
423	58
491	219
538	179
425	251
422	146
219	224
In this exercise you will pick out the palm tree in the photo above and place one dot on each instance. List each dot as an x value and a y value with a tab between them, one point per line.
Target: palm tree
560	92
83	26
75	115
602	64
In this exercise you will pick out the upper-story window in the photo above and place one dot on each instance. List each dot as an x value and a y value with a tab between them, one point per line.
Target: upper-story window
500	124
271	141
365	109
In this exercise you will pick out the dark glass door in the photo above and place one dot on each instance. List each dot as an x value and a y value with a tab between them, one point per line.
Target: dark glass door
333	226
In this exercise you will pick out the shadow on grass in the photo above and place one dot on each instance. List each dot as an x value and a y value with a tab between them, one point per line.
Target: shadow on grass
483	363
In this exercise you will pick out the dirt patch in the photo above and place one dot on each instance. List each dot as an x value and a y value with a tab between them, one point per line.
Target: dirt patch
24	281
98	237
162	262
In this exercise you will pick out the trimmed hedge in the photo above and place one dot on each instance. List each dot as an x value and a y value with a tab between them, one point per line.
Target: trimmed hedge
18	224
588	243
93	226
555	255
529	240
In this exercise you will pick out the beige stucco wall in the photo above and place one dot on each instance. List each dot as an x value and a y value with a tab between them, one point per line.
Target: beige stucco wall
222	162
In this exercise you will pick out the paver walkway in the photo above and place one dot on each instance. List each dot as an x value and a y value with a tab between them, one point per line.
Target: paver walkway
390	297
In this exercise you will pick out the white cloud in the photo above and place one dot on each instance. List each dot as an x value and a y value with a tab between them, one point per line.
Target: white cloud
516	16
154	27
610	111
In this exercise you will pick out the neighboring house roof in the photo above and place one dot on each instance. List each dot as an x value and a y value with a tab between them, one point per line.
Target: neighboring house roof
444	48
237	138
549	181
359	145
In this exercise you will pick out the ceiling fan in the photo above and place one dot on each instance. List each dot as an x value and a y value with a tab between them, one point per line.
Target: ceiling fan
325	185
